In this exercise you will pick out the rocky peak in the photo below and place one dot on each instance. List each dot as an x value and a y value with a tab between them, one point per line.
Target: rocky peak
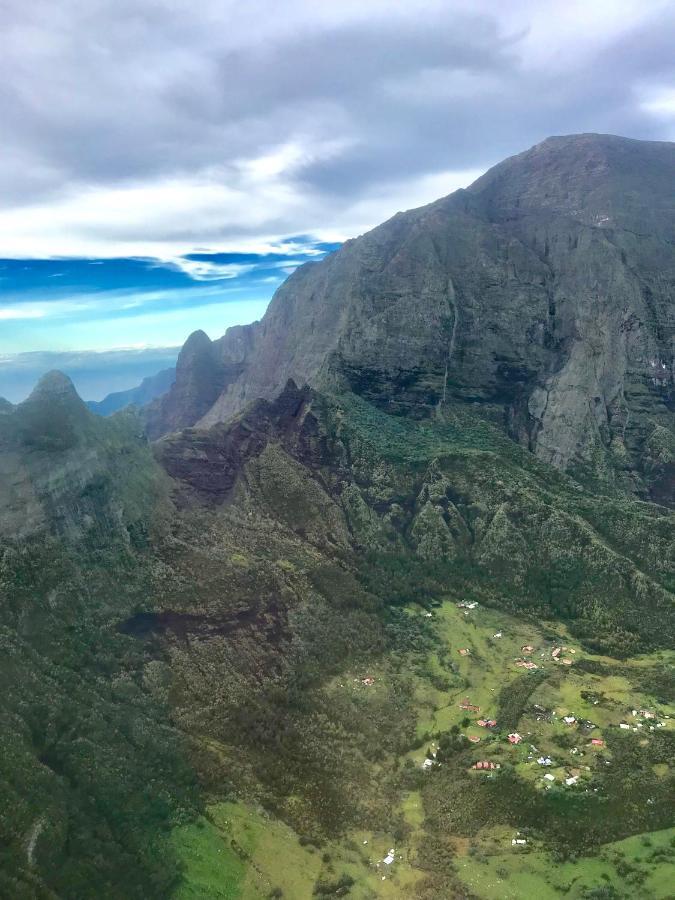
197	343
599	179
55	386
203	371
53	418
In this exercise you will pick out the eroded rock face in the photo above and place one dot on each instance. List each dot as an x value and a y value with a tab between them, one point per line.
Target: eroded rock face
203	370
543	293
209	461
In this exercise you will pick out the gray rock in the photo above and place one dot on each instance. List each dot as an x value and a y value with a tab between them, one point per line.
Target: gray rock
543	293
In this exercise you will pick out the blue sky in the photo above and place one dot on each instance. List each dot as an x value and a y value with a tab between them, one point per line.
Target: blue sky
159	159
52	310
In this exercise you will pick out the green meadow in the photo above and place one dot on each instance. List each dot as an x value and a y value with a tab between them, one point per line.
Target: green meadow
452	827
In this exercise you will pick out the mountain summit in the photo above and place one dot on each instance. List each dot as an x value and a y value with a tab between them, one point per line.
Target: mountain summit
542	293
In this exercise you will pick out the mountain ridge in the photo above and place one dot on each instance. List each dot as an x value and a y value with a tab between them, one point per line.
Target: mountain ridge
529	293
148	390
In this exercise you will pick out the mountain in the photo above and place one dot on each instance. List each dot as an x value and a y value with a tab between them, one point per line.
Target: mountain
542	294
65	469
249	657
149	389
203	370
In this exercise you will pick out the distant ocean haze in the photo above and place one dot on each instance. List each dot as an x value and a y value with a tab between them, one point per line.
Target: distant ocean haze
94	374
74	314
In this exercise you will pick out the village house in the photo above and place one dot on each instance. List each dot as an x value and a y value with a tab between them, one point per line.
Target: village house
514	738
569	720
526	664
468	706
596	742
368	681
555	653
527	648
464	652
485	765
487	723
549	777
545	761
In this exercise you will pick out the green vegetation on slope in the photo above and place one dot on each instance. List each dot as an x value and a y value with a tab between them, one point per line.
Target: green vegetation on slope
285	632
482	515
450	825
92	775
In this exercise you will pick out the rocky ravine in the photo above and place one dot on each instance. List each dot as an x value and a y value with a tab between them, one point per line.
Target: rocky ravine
543	293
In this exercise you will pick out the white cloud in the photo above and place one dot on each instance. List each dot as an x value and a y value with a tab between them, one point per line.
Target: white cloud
20	312
202	270
167	219
660	102
44	310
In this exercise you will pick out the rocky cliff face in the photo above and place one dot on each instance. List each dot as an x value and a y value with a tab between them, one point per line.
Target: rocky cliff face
203	371
543	293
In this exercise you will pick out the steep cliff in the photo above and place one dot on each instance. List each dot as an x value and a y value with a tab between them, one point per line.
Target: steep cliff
543	293
204	369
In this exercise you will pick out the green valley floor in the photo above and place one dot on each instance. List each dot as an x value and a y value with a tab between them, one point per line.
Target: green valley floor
590	736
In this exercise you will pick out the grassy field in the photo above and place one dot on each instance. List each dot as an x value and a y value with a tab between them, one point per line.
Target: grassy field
212	868
514	876
241	852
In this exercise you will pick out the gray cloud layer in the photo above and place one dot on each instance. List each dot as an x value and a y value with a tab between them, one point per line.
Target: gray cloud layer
318	114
